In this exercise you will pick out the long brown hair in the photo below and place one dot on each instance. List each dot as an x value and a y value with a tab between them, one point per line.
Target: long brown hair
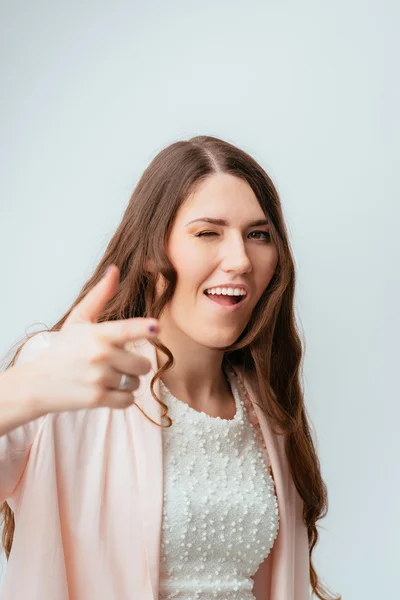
269	348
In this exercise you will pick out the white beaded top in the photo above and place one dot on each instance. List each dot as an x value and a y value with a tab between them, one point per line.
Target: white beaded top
220	512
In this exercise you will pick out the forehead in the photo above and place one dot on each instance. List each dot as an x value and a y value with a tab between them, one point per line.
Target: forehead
221	196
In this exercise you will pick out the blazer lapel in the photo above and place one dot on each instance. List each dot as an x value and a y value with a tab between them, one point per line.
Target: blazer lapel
149	461
285	572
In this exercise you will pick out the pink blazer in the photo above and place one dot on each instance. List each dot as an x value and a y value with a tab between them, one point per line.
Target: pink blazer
87	487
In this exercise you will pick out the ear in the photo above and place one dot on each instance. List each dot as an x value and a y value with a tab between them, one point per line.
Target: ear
150	267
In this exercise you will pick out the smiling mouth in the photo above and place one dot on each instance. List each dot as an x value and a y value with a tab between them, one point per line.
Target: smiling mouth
225	300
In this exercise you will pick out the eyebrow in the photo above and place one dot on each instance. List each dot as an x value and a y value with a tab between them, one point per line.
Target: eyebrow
223	222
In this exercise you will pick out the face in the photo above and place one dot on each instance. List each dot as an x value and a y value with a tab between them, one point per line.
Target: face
219	240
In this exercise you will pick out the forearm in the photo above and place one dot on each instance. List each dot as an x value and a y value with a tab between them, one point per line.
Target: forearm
17	403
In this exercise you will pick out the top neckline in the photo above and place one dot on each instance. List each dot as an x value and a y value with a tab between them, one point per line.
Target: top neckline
201	415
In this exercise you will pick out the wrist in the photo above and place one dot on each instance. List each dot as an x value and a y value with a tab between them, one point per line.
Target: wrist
29	391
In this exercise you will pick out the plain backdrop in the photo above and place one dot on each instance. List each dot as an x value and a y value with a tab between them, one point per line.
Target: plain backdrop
91	91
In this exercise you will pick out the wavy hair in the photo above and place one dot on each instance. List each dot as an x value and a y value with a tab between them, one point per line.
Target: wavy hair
269	348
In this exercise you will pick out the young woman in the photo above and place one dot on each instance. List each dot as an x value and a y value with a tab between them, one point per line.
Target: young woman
206	483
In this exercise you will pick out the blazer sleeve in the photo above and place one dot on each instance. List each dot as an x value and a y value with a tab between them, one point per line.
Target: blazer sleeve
16	444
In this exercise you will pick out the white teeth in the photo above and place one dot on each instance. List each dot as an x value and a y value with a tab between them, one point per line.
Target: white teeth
227	291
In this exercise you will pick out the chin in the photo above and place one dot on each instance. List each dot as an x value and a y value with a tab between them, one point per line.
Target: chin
218	341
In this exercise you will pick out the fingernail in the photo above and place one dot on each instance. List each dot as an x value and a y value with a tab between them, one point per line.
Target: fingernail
153	328
107	270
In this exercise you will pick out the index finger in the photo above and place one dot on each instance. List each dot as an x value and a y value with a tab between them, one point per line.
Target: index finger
91	306
125	330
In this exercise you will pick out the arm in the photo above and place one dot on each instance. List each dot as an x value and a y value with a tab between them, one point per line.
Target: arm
17	405
19	420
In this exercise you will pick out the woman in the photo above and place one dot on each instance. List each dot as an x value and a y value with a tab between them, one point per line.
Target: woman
208	485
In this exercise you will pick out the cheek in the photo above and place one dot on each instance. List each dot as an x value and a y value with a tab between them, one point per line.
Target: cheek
265	272
191	268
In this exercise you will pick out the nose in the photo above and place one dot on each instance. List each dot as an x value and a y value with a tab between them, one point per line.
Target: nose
234	257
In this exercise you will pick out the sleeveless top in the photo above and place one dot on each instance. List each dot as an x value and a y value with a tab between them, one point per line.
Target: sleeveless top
220	511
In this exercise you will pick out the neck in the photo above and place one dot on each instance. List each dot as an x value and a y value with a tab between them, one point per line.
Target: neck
197	376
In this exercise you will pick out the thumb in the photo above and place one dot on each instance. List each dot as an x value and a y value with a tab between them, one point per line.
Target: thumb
91	306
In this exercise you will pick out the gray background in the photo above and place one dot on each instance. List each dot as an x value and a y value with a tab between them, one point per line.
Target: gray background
92	91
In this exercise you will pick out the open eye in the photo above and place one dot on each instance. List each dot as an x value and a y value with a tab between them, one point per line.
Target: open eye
265	233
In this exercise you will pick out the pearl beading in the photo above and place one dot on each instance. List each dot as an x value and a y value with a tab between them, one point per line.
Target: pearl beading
220	511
